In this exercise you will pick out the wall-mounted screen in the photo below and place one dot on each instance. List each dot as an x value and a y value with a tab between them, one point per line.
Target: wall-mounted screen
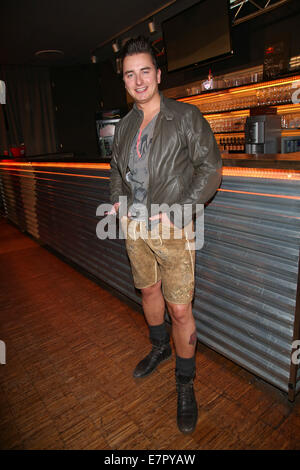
198	34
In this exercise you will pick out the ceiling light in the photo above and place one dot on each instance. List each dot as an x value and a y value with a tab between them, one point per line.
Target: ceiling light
151	26
115	47
119	65
49	53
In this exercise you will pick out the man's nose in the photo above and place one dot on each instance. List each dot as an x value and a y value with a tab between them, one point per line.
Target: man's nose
139	79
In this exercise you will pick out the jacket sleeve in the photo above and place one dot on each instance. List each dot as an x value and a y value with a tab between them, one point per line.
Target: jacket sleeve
115	176
206	159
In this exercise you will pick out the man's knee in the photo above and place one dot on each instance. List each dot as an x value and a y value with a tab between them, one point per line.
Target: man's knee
180	313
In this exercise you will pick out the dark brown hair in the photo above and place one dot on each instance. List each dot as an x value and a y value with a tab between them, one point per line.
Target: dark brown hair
139	45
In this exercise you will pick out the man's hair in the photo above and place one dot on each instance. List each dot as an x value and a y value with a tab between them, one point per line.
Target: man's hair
138	45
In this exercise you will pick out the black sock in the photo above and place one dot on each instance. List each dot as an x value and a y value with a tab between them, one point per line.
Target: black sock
185	366
159	332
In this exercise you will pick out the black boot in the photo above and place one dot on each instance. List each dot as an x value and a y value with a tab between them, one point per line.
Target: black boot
187	409
161	351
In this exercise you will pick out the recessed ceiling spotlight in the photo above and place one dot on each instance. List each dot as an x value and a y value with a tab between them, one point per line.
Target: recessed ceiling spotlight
49	53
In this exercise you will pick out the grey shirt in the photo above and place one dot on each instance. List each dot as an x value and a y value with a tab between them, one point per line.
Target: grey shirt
138	174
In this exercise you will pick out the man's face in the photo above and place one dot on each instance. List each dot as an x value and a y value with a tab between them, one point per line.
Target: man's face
141	78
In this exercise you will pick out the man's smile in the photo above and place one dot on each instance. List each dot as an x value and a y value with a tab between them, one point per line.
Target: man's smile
141	90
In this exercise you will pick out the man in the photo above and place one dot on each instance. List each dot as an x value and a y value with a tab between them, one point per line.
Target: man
164	153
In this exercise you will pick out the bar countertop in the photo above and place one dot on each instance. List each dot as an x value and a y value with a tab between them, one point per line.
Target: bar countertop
288	161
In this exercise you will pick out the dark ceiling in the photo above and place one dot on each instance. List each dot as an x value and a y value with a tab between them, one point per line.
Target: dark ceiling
75	27
78	27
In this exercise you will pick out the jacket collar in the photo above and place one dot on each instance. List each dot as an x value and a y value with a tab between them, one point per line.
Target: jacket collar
164	108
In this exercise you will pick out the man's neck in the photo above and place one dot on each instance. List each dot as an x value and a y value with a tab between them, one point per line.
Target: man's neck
151	108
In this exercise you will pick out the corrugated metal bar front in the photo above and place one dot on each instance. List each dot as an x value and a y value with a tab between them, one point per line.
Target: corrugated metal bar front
57	204
71	197
295	367
298	377
246	273
246	276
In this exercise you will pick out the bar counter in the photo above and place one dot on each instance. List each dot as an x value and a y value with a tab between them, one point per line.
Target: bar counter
246	302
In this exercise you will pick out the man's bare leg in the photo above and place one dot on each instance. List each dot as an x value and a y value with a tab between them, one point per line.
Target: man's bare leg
154	310
153	304
185	339
183	329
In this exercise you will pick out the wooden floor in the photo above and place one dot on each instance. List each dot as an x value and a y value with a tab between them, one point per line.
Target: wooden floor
67	383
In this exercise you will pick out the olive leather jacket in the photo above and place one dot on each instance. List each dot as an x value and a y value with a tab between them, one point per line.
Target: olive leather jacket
184	160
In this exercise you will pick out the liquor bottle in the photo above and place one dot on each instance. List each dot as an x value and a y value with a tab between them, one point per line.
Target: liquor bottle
243	144
209	83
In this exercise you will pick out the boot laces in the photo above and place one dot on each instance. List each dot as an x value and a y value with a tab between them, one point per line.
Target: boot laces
157	351
185	393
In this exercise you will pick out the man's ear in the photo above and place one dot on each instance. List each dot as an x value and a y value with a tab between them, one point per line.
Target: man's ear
158	75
